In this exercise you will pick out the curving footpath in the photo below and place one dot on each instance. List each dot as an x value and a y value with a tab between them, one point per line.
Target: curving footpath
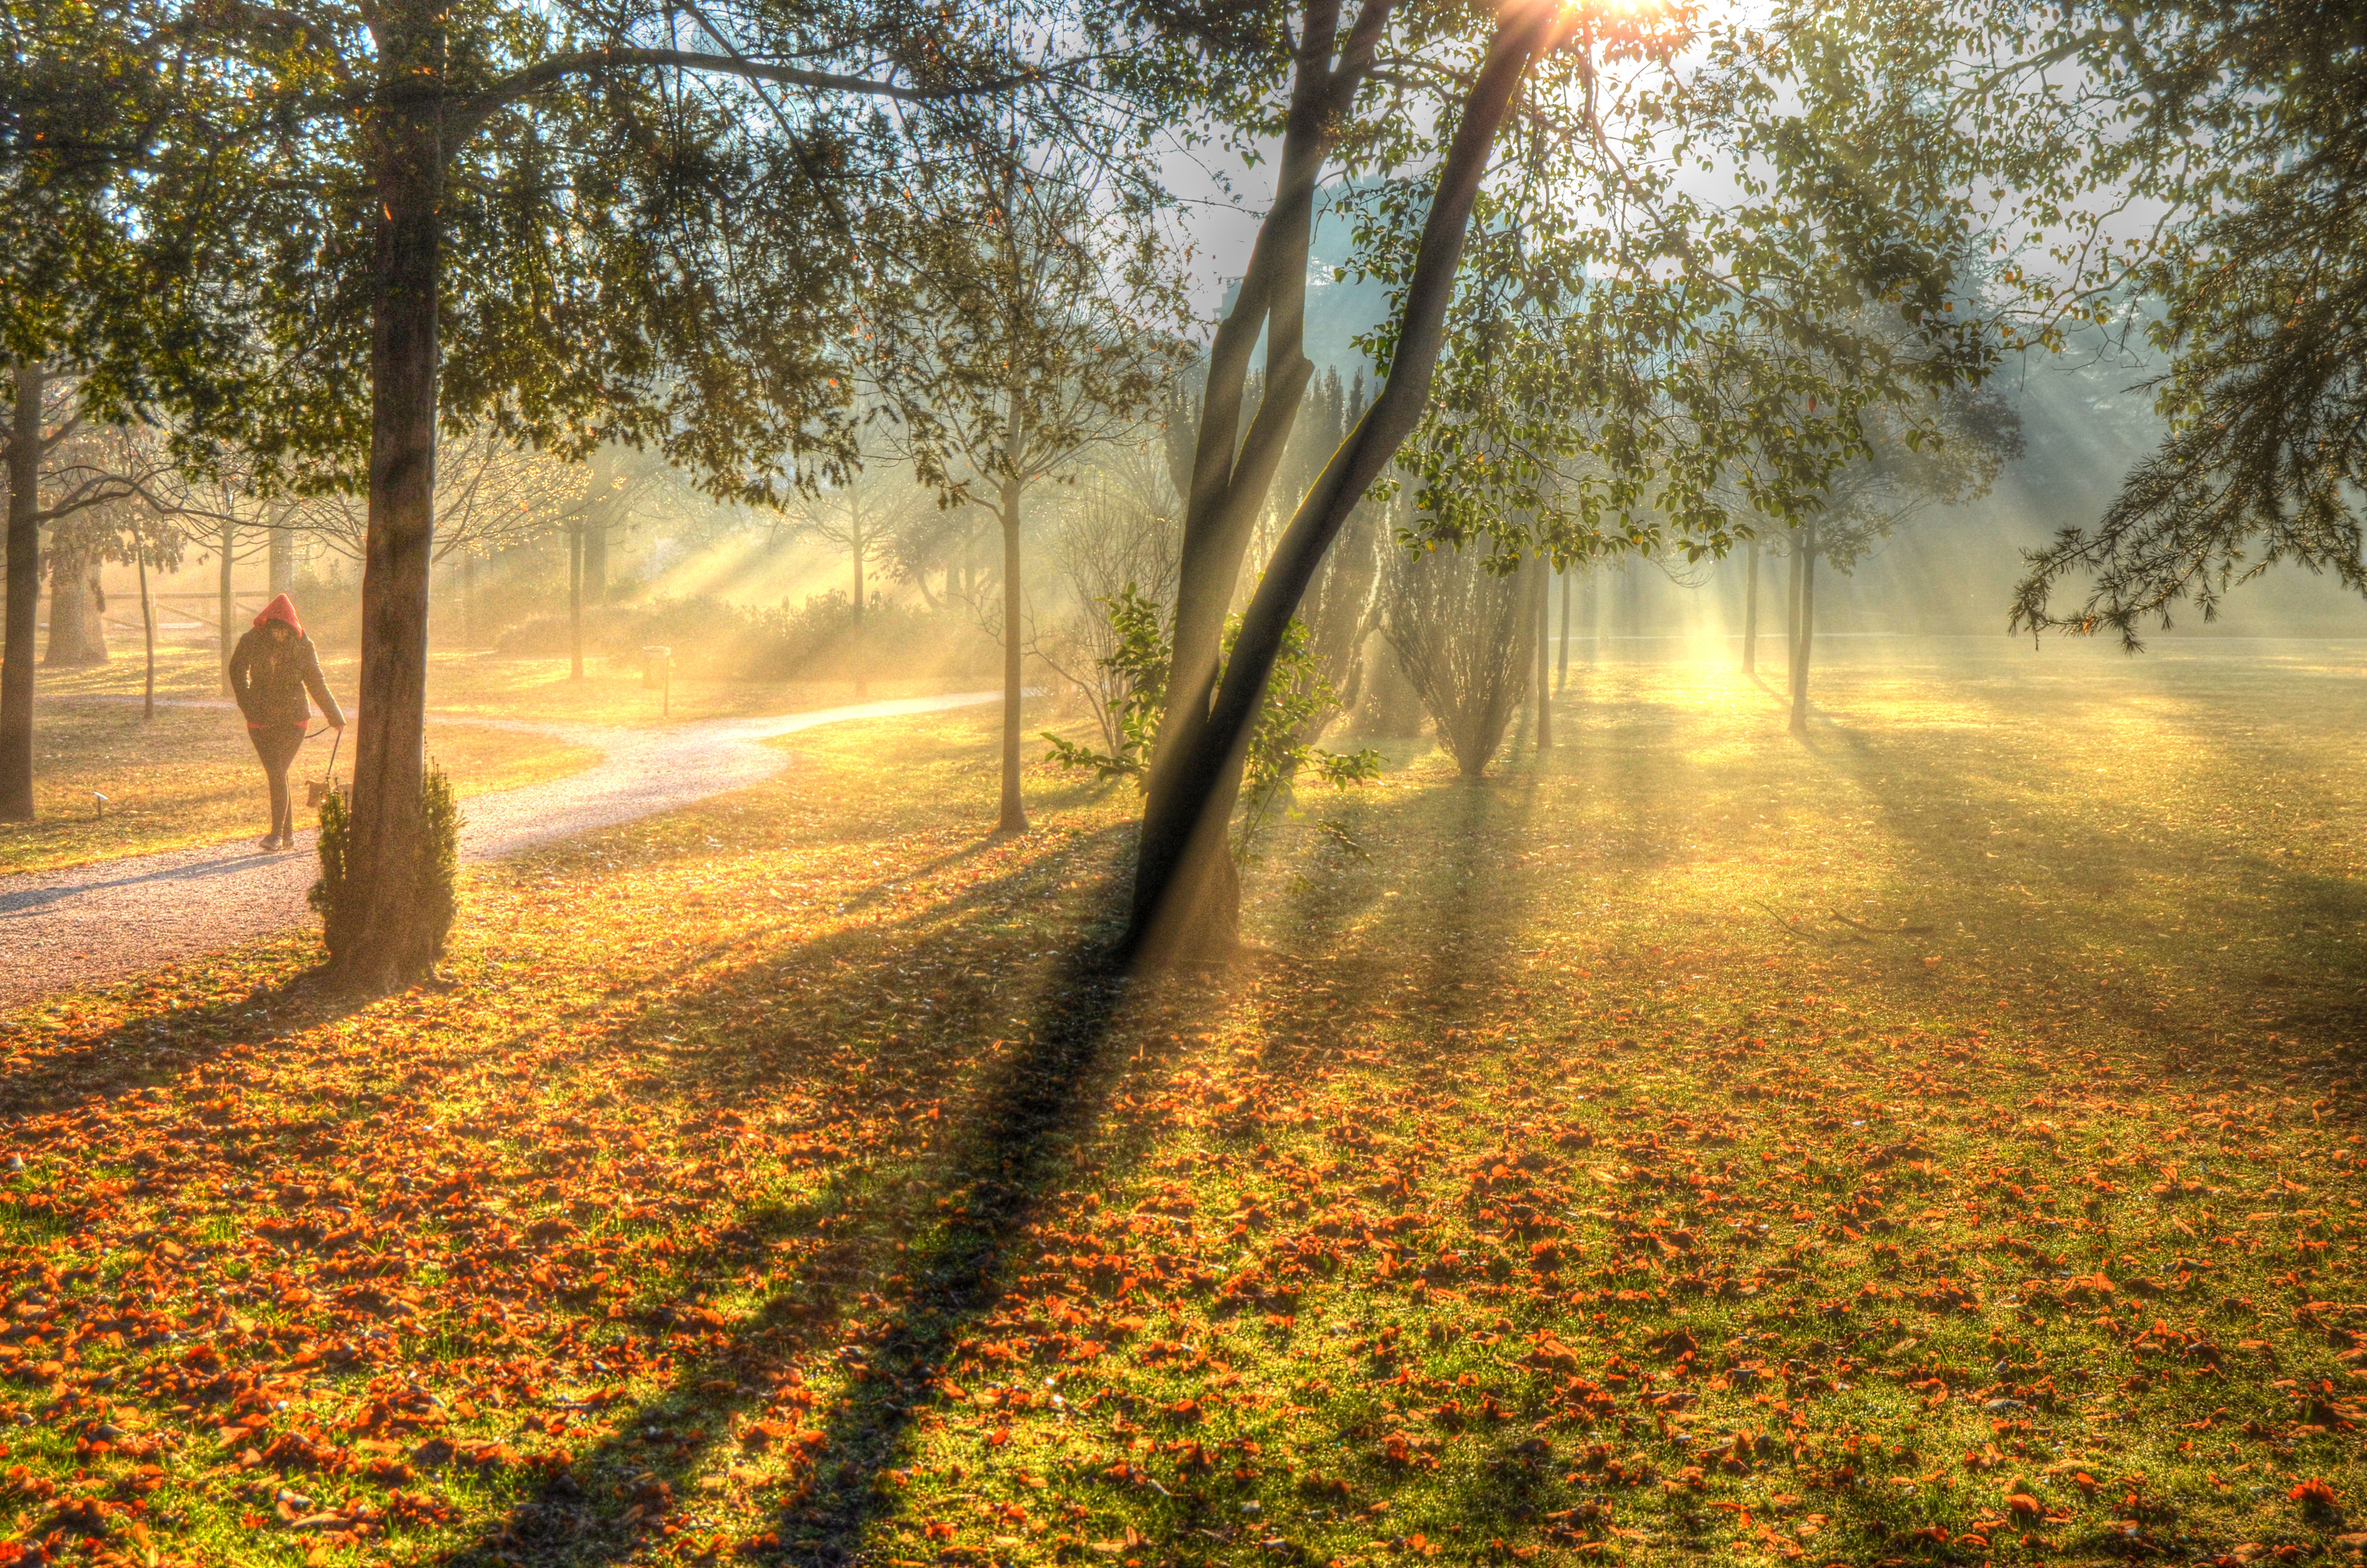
87	924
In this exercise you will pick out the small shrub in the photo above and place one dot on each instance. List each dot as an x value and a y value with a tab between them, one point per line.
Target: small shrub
332	896
1298	698
1457	628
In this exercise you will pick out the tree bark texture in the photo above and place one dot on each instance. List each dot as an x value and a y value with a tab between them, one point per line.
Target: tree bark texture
1182	909
383	942
1013	818
24	596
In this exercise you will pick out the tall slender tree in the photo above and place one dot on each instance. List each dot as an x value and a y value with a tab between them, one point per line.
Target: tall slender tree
1050	327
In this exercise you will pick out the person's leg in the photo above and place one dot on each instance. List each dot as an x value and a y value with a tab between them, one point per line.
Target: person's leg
291	743
277	747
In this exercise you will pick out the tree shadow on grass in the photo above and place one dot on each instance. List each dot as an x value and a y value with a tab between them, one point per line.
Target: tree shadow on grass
951	1217
151	1049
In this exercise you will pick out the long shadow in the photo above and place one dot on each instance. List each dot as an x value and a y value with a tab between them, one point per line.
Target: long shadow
2085	878
1039	1101
19	904
157	1047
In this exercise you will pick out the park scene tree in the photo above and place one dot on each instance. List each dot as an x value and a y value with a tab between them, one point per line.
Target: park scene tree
1185	785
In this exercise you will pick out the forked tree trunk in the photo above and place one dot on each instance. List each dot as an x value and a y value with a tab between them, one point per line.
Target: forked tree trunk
1751	611
1186	905
24	596
1014	817
1229	481
382	942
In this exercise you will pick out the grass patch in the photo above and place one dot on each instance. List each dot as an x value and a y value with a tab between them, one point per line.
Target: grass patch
1915	1144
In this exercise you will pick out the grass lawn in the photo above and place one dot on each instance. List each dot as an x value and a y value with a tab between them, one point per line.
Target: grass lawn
1934	1142
480	685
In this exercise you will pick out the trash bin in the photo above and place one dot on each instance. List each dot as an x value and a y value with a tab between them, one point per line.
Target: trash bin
657	666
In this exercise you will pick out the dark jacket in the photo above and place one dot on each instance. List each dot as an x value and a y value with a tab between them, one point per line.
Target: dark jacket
270	678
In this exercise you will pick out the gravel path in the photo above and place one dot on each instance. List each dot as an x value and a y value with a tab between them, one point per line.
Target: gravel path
87	924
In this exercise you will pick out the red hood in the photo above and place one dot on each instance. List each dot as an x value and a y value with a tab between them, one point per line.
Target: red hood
281	608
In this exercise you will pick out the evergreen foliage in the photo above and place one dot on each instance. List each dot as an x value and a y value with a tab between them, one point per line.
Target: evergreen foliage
334	895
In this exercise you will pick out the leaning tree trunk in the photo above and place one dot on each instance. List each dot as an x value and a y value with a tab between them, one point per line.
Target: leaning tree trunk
1184	906
1804	631
1751	611
24	596
1229	481
1013	818
383	940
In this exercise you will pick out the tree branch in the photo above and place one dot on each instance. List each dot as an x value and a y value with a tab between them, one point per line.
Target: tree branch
474	111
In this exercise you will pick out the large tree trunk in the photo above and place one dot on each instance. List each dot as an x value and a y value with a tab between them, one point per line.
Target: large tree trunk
24	596
1186	906
1229	481
1803	631
1013	818
282	560
382	941
1751	612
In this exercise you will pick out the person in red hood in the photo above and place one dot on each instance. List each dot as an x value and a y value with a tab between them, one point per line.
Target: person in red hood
271	670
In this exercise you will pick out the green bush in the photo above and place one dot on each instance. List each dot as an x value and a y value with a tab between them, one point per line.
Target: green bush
1298	702
440	867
